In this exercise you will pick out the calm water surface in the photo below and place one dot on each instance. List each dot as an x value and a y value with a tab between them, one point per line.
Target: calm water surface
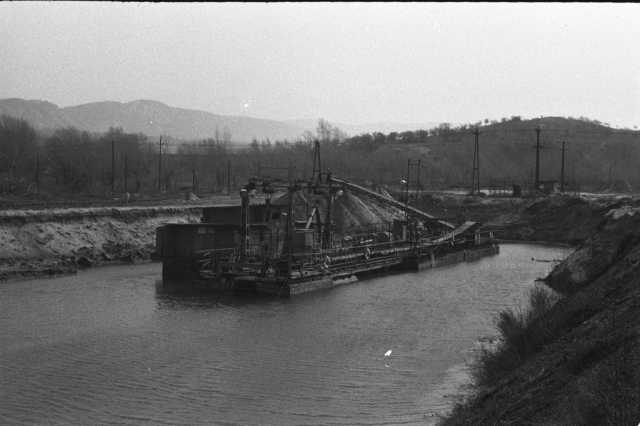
107	347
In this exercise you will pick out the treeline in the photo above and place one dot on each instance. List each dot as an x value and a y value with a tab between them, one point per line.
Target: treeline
70	162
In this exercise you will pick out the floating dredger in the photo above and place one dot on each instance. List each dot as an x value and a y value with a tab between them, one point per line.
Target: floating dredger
282	239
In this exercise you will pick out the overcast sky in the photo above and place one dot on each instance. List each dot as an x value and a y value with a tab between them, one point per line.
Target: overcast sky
355	63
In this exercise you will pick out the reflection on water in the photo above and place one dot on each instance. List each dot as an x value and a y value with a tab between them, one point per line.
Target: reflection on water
106	346
181	299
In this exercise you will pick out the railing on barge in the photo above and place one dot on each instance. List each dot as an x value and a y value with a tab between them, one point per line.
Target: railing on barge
335	261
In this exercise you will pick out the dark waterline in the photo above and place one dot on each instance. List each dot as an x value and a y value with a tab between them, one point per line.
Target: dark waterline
106	347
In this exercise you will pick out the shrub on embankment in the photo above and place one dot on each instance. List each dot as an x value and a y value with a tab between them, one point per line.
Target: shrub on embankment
521	334
576	362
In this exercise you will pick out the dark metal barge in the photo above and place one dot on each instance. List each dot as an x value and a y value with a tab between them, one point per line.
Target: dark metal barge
285	241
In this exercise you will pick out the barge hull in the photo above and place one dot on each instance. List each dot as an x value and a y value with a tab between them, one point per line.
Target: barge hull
466	255
299	286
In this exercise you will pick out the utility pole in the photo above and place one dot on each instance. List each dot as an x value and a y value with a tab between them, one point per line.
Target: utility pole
574	182
113	166
37	172
244	220
326	240
317	163
126	172
475	178
160	165
406	202
289	172
418	176
228	177
290	224
537	181
562	168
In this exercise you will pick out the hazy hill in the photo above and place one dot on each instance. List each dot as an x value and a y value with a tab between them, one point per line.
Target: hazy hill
40	114
155	118
149	117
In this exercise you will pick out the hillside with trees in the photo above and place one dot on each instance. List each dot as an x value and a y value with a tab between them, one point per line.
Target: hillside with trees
597	157
69	162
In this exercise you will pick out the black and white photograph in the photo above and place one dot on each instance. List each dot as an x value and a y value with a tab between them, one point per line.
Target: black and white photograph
319	213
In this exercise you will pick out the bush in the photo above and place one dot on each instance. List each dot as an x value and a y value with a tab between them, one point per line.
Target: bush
522	333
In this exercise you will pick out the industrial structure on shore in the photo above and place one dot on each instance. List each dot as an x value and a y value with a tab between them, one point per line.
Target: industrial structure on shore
282	240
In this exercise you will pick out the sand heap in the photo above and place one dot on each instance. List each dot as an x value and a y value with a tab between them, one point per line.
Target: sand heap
348	210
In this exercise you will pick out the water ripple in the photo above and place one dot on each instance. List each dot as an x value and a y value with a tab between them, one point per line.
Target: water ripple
106	347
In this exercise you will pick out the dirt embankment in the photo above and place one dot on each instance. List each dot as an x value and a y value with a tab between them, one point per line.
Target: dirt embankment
555	219
579	362
559	219
47	242
458	208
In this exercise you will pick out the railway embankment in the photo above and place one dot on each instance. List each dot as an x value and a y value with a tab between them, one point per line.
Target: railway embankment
574	360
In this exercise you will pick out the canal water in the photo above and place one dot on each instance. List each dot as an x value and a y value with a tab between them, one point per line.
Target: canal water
107	346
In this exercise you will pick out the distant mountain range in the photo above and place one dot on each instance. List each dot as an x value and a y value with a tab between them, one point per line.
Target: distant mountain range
155	119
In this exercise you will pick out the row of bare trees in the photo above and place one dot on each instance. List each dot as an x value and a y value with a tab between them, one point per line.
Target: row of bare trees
71	162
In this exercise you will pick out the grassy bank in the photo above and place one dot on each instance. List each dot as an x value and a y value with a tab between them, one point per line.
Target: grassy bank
574	361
